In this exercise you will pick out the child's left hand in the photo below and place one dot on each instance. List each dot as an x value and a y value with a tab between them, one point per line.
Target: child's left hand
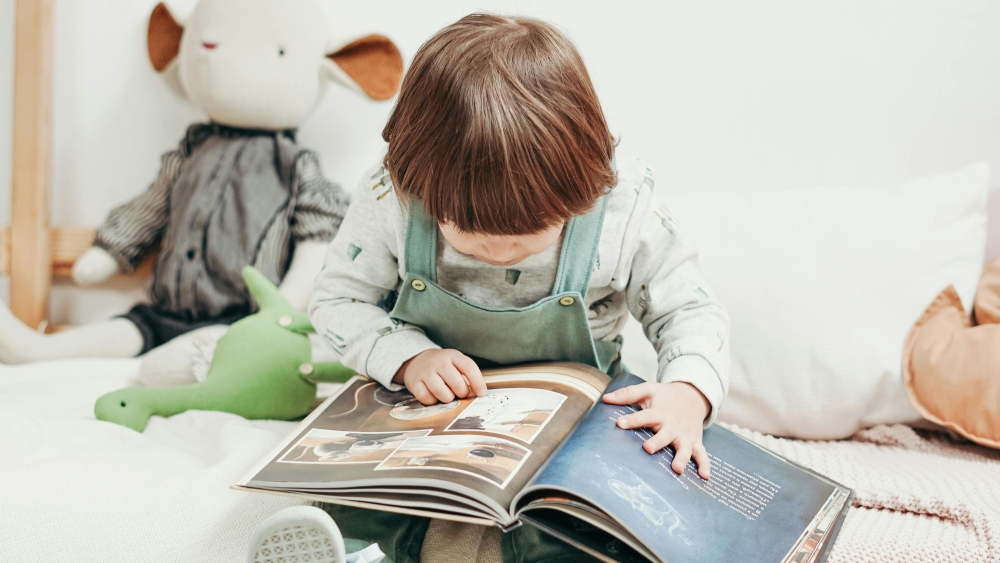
675	412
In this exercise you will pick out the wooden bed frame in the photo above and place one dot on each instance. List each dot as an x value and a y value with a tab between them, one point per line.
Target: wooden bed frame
26	251
31	251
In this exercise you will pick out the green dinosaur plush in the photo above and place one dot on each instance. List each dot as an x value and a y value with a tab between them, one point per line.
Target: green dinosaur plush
261	369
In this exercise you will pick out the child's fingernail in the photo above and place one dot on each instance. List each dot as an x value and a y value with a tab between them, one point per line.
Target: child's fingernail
622	422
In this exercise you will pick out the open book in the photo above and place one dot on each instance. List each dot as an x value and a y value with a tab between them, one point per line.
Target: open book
541	448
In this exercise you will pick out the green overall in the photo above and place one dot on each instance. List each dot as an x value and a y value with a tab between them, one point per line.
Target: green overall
553	329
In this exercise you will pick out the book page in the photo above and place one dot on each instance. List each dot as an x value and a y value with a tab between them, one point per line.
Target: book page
755	508
490	446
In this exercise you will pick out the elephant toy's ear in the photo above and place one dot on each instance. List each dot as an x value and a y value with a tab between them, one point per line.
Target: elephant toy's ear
163	42
371	64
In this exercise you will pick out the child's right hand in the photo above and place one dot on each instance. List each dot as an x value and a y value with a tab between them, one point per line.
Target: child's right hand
441	375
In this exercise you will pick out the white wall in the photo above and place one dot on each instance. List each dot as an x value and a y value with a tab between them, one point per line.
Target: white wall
716	95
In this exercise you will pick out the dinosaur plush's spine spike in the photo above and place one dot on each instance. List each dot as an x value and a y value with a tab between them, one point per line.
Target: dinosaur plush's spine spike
264	292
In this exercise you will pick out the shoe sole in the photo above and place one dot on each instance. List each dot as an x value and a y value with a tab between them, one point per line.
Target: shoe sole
298	534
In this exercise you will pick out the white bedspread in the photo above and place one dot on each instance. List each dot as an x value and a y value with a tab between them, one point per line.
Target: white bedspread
75	489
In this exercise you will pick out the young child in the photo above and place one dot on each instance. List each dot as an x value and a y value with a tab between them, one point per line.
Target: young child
500	228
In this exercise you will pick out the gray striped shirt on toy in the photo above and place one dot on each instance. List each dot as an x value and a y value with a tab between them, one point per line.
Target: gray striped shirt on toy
227	198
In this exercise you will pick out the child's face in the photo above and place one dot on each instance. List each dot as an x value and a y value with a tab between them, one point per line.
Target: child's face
500	250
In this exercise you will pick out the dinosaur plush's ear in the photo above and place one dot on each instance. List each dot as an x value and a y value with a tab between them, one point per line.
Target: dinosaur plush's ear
371	64
163	38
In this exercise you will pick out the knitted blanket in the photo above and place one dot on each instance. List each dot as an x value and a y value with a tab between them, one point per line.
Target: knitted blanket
920	496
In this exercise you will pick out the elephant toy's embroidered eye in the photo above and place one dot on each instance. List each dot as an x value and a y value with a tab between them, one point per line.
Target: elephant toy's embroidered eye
281	51
123	404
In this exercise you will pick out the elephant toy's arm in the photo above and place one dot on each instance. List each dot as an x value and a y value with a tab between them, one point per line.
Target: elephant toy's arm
307	260
94	266
135	228
320	206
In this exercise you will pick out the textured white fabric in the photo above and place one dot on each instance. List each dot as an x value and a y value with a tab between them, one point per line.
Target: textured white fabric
823	284
76	489
72	488
920	497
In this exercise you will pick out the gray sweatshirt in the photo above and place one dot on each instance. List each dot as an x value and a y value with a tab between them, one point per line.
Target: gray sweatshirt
645	266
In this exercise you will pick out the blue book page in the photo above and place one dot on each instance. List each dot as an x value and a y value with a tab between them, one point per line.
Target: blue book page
754	508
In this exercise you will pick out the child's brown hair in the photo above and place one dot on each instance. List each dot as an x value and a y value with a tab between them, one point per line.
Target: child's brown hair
498	129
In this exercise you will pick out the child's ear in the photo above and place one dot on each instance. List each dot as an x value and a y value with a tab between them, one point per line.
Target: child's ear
371	64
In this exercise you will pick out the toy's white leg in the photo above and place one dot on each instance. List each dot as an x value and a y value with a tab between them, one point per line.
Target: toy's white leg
117	338
181	361
297	533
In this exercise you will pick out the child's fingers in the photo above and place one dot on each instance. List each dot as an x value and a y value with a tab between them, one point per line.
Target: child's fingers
682	456
659	441
422	394
629	395
700	455
456	381
643	419
439	389
472	374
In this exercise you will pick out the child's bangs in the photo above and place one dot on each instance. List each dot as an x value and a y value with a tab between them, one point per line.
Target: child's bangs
498	129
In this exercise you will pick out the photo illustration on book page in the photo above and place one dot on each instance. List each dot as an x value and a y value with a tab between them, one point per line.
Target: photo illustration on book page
518	413
336	446
492	444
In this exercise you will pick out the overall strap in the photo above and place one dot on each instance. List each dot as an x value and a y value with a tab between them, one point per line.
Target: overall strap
579	250
420	255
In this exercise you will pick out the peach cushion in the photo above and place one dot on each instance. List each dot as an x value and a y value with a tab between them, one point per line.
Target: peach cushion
952	368
988	297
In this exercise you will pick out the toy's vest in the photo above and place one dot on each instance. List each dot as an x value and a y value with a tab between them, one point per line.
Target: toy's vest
232	187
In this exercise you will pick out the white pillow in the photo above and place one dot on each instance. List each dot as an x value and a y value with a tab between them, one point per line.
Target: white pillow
822	286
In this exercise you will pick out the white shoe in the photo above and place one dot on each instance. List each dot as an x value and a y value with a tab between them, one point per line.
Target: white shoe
298	534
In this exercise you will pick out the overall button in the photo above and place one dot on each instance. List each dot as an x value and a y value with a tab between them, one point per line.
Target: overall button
418	285
567	301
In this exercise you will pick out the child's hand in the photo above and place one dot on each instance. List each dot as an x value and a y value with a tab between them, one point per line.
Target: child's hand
441	375
675	412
